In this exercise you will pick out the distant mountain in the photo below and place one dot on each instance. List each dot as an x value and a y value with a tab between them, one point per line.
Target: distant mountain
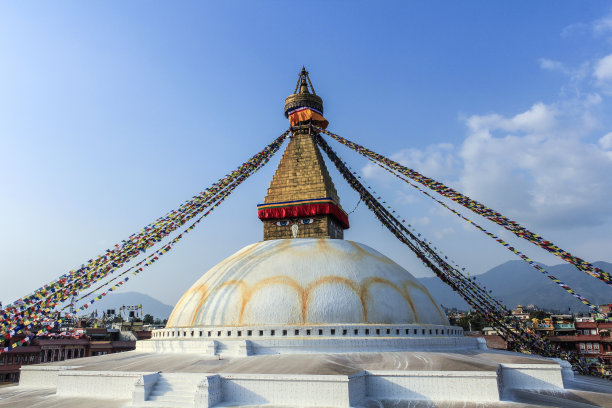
150	305
516	282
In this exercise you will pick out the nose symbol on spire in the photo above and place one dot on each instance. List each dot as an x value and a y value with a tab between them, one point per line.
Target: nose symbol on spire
294	230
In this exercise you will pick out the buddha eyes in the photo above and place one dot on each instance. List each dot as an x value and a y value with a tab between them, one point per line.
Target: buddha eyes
304	221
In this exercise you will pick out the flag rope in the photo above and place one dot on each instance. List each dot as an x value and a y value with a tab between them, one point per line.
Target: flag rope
506	245
30	310
515	332
476	207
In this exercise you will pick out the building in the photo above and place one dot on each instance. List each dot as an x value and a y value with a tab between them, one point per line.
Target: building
305	318
12	360
66	345
592	340
521	314
108	341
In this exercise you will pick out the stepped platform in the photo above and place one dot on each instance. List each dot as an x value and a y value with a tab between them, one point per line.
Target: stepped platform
469	377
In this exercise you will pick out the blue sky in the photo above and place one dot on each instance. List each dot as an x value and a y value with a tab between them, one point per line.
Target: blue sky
113	113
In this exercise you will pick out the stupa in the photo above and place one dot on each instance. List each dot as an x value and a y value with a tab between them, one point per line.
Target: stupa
306	318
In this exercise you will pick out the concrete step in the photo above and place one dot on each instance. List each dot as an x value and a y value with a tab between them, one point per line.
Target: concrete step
173	391
172	398
156	393
167	404
175	387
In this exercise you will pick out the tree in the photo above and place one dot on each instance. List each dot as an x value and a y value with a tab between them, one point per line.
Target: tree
148	319
539	314
472	322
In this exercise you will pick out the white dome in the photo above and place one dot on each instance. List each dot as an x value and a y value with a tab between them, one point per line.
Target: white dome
306	281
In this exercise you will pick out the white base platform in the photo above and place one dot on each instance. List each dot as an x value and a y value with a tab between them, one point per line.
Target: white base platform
315	379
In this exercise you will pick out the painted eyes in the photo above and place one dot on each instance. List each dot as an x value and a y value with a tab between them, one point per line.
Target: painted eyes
304	221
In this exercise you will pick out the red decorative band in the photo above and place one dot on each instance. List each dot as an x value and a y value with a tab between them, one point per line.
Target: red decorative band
307	209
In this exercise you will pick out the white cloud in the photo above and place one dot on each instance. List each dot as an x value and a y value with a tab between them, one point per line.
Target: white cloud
405	198
551	65
538	118
436	160
534	166
444	232
549	175
573	29
420	221
598	28
603	68
606	141
602	25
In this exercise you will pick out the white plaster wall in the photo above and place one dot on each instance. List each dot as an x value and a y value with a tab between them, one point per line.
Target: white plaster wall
101	384
532	376
300	345
298	390
433	385
206	347
357	388
37	376
336	330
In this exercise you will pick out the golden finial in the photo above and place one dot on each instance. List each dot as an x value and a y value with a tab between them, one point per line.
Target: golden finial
306	97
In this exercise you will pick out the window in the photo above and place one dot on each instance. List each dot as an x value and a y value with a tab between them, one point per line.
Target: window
344	331
10	360
219	333
272	332
388	331
320	332
200	334
308	332
436	331
239	333
296	332
397	332
2	360
209	334
582	346
333	332
229	333
32	358
284	332
589	346
261	332
356	331
367	331
596	347
377	331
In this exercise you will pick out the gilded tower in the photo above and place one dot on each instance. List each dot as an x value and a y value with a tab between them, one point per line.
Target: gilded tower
302	201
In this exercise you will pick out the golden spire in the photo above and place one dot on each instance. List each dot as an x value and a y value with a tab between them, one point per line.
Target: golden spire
302	201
